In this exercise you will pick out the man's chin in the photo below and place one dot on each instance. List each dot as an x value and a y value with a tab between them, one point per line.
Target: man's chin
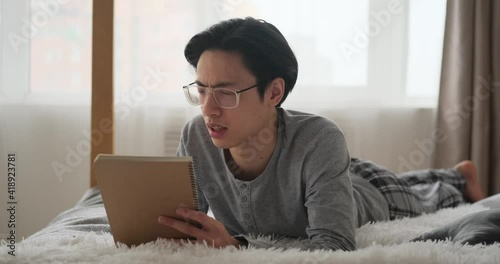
221	143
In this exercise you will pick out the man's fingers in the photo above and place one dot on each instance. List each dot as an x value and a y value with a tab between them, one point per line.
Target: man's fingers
196	217
213	232
182	226
212	229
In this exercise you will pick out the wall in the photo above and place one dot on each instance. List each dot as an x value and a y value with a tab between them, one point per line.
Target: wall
399	139
41	135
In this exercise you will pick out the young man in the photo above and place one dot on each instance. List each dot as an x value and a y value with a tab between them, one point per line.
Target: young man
265	170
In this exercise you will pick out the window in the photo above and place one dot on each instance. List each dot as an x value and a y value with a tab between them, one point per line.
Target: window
351	53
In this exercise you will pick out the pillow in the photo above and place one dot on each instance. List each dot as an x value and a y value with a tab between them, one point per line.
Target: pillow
492	202
477	228
88	215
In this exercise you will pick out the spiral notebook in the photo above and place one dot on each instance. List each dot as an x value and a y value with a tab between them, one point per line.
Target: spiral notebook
137	190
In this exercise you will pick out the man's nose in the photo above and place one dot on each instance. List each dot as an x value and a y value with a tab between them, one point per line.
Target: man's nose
210	106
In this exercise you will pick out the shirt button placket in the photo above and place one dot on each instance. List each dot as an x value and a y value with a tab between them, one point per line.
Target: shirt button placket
245	206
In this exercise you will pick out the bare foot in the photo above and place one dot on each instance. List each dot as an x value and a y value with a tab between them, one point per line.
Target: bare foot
473	191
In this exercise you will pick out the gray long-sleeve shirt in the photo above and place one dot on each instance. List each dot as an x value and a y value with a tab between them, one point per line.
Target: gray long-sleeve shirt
306	190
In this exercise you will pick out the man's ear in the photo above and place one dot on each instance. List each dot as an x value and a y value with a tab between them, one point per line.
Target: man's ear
275	91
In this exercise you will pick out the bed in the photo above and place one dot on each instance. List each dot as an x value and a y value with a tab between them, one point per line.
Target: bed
81	234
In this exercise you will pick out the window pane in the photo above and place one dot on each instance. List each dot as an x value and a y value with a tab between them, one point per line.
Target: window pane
425	48
61	46
319	32
149	47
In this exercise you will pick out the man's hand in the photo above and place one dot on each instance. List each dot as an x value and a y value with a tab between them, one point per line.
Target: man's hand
211	231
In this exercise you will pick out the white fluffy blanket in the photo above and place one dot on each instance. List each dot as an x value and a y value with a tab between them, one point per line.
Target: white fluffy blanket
382	242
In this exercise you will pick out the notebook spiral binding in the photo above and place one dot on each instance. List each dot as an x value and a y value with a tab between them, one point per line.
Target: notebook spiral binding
193	172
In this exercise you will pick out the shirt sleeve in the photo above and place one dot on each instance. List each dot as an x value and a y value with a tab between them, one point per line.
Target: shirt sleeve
328	193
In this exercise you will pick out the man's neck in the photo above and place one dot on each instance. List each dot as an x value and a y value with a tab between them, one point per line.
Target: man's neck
249	160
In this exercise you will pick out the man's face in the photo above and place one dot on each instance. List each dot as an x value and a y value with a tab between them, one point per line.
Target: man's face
230	128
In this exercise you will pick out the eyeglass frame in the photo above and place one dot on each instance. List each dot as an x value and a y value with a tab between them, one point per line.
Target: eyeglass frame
237	92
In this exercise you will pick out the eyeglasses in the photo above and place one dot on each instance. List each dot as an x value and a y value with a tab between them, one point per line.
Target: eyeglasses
224	97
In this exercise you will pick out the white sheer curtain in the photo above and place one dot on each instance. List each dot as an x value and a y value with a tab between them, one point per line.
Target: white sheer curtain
44	107
371	65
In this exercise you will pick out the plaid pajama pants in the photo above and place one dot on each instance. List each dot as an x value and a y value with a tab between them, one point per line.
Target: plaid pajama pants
413	193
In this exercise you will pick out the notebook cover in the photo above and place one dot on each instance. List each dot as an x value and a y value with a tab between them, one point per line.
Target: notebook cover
137	190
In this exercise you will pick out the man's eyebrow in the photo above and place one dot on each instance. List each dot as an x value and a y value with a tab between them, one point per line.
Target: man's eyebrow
221	84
